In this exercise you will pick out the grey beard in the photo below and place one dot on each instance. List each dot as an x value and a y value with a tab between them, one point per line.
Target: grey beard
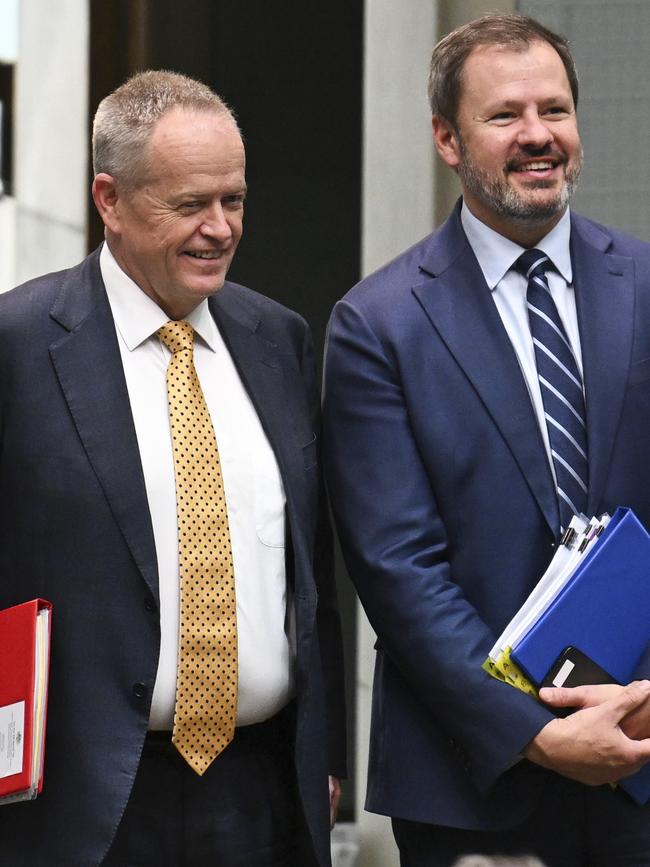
507	203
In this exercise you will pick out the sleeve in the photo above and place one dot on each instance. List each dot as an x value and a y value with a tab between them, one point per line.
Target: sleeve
397	551
642	671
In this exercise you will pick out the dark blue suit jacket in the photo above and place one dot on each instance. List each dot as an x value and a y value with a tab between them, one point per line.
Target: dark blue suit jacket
75	529
446	507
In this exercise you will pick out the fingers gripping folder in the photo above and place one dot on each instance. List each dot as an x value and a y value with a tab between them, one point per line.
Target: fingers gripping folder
586	621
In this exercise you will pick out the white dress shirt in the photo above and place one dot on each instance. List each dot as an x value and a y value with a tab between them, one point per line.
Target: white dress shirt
254	496
496	256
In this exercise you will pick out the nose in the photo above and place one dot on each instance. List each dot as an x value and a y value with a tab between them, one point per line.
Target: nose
215	225
534	133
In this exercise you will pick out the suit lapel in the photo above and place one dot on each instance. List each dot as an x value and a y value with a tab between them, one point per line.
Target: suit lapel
276	395
260	365
256	359
89	369
604	286
457	301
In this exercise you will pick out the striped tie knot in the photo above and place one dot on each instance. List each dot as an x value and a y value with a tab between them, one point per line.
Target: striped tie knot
533	264
560	385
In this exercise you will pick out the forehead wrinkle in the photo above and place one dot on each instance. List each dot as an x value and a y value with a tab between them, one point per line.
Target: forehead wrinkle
191	142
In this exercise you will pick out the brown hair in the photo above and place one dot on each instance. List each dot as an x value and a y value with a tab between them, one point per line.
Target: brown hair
514	32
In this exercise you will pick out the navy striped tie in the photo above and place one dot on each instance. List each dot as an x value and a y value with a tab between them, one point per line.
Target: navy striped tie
561	387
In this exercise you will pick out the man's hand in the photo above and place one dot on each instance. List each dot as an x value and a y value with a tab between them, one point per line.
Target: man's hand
335	797
636	724
589	746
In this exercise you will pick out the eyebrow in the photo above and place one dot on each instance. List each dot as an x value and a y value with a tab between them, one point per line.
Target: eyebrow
516	103
203	194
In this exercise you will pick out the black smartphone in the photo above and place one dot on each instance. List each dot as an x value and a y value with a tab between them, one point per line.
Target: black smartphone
575	668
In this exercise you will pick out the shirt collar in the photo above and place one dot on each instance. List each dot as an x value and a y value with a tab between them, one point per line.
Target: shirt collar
137	316
496	254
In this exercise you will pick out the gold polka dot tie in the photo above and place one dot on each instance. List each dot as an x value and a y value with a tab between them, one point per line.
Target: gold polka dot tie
206	688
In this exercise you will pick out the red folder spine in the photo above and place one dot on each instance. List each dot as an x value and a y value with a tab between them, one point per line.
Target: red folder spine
17	681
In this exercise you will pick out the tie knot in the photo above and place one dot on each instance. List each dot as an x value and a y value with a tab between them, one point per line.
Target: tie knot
533	263
177	336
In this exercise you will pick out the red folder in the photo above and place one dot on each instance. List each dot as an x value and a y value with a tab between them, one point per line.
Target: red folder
24	667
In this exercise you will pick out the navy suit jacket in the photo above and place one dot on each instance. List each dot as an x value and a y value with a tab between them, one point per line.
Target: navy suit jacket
446	507
75	529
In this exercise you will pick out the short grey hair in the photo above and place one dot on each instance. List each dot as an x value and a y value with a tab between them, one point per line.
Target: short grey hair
125	119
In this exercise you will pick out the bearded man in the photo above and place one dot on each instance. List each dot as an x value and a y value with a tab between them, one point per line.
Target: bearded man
480	389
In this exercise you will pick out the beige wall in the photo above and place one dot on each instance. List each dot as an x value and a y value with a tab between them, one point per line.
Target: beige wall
43	227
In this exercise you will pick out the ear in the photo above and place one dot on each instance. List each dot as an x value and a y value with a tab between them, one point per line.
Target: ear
106	199
445	139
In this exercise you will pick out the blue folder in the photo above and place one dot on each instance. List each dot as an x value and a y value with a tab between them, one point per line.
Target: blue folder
604	610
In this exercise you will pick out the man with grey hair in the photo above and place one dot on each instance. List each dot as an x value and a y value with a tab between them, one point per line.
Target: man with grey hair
479	390
159	439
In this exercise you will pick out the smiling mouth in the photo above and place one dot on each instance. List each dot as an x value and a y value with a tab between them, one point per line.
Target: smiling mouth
538	166
204	254
536	162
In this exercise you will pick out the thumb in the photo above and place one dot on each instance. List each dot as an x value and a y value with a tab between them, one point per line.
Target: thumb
628	700
562	696
588	695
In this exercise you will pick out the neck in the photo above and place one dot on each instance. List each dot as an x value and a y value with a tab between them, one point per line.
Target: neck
523	232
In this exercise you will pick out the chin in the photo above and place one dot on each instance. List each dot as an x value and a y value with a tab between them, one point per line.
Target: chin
542	194
530	188
207	286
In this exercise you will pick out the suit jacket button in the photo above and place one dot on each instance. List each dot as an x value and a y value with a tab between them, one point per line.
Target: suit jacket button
150	605
139	690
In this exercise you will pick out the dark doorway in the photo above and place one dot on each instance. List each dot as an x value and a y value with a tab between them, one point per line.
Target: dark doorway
293	74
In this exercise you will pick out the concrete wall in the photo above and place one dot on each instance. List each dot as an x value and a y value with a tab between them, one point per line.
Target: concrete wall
8	54
44	227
